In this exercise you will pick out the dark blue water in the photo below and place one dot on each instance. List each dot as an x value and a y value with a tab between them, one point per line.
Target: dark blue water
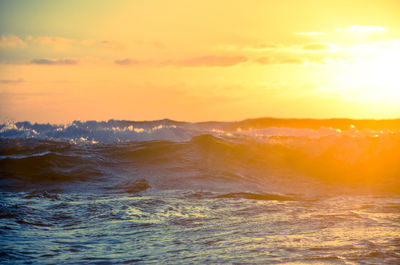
165	193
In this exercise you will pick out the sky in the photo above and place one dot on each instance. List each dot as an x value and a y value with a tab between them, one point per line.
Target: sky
198	60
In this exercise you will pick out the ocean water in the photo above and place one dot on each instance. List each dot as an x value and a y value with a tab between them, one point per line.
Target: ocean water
166	192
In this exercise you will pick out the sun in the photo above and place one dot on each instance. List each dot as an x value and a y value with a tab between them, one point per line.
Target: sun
371	77
382	74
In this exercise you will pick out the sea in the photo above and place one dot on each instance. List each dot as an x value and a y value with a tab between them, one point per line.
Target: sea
169	192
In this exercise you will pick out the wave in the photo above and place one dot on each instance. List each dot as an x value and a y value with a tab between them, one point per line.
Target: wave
116	131
27	171
136	157
255	196
133	186
97	132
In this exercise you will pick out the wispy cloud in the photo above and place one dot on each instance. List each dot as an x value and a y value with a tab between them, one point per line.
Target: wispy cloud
11	41
279	60
129	62
205	61
317	46
299	58
12	81
61	43
58	43
54	61
258	47
364	29
113	45
210	60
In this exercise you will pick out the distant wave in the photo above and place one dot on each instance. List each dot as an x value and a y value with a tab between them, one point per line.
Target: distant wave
95	132
117	131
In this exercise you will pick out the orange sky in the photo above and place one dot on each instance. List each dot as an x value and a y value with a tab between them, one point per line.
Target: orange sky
198	60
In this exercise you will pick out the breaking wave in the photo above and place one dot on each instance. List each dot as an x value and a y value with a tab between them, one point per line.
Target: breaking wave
114	131
169	154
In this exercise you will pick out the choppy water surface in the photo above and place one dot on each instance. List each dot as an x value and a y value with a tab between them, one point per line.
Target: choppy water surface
98	193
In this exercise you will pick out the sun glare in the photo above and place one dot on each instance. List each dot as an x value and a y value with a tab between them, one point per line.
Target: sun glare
382	74
372	77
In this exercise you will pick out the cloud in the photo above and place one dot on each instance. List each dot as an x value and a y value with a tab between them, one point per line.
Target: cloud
210	60
263	46
113	45
11	41
258	47
299	58
12	81
54	61
279	60
61	43
57	43
364	29
316	46
126	62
